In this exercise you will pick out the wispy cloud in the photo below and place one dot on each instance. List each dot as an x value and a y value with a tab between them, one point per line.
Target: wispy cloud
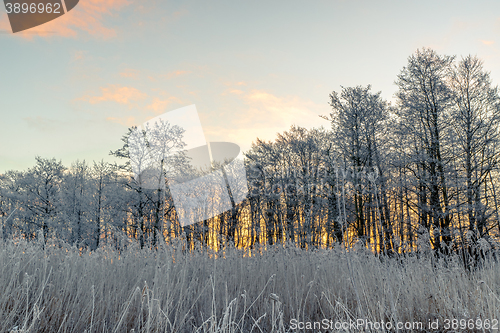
88	16
230	83
78	55
170	75
4	23
487	42
130	73
180	13
160	105
116	93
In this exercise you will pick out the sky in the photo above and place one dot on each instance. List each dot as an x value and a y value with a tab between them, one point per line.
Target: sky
70	88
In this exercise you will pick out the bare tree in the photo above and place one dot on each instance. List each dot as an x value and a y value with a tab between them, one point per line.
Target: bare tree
424	105
475	122
359	120
74	202
148	164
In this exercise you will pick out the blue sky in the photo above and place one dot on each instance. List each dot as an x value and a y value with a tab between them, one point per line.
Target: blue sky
70	88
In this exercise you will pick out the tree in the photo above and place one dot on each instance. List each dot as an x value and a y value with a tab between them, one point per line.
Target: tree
40	188
75	203
424	106
475	121
290	183
9	201
151	157
105	203
359	120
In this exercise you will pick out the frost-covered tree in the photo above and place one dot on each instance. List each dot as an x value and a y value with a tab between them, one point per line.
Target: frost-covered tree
291	194
424	106
359	123
475	121
38	193
74	203
147	168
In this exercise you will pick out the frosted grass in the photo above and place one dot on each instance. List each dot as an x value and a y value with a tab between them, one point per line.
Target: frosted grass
57	288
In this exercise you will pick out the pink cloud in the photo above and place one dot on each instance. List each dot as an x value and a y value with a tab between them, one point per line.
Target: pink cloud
263	97
4	22
116	93
180	13
174	74
88	16
130	73
159	106
487	42
78	55
240	83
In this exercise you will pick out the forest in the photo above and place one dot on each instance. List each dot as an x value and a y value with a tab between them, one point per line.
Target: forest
422	173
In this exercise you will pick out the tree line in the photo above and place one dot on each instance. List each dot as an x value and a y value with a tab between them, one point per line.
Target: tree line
422	173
